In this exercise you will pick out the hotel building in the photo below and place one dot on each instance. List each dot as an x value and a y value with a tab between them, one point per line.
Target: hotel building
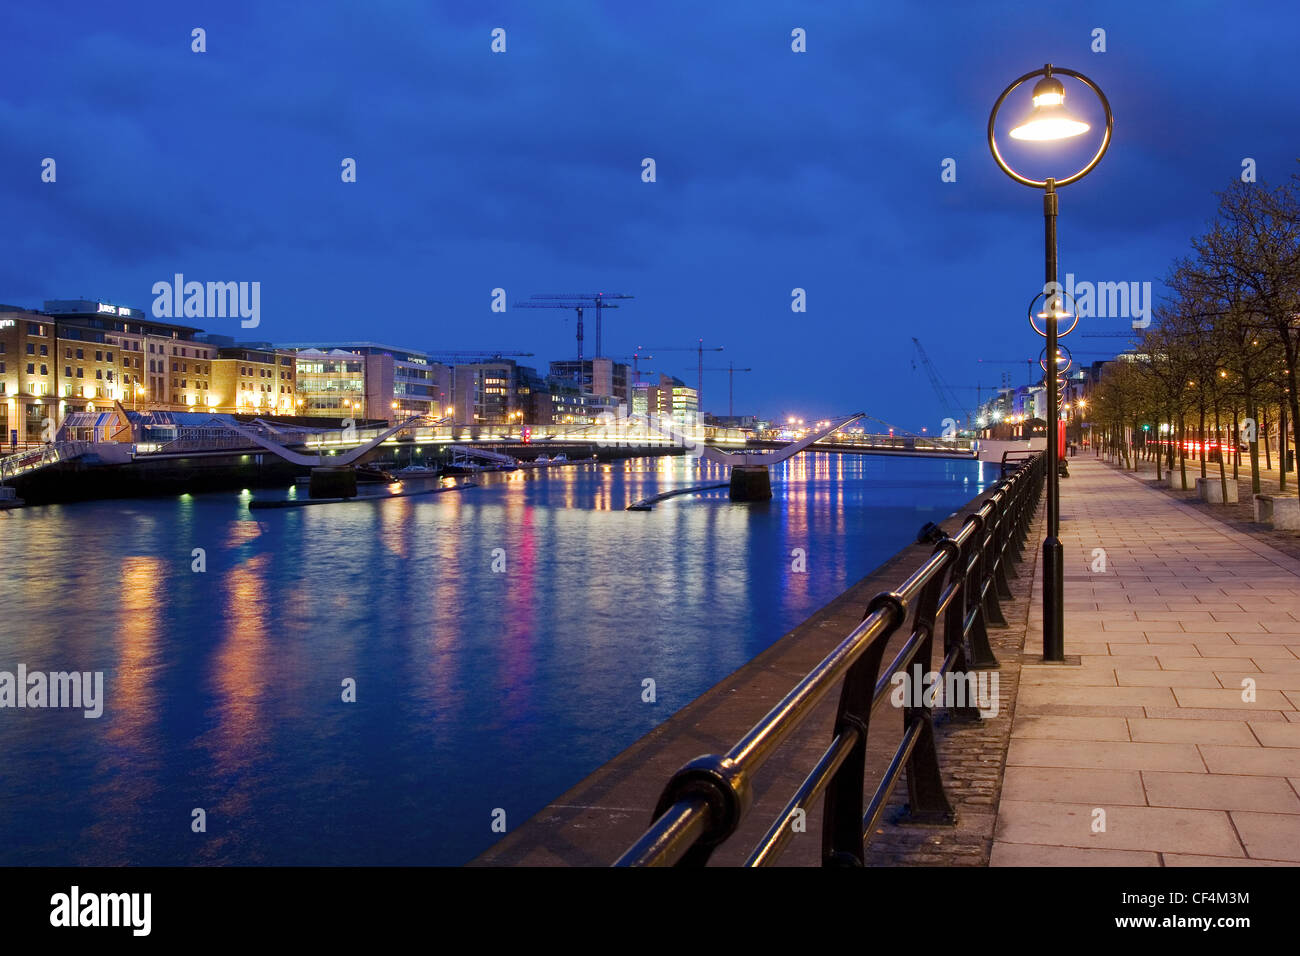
76	353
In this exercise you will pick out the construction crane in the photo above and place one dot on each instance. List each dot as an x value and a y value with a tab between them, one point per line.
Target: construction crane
731	371
634	359
945	394
1027	363
579	308
578	301
699	349
1030	363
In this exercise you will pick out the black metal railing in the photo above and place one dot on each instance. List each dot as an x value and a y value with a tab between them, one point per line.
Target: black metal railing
960	585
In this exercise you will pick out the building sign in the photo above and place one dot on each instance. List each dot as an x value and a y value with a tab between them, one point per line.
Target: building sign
112	309
7	323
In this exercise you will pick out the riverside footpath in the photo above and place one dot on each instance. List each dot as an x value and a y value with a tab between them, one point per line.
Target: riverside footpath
1175	740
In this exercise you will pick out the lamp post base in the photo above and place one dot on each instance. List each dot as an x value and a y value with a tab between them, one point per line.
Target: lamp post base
1053	601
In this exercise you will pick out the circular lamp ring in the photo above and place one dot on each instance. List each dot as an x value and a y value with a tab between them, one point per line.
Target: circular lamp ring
1071	304
1054	183
1064	353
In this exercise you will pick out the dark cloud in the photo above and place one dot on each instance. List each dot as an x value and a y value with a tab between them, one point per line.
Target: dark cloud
775	170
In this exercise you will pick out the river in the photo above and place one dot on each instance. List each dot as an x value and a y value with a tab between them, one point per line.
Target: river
498	639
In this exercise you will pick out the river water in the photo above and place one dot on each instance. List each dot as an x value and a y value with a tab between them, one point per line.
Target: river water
498	638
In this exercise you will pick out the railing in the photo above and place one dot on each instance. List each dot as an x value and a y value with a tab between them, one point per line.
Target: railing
48	454
179	446
1014	458
901	443
960	585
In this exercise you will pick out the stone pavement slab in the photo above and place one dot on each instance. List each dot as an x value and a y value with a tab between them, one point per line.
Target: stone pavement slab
1175	741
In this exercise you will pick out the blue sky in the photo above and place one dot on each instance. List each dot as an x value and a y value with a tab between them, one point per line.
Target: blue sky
522	170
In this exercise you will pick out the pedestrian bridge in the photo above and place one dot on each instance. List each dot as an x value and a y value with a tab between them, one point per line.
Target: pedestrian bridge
307	445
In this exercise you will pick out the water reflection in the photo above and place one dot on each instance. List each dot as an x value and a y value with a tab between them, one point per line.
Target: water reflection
475	687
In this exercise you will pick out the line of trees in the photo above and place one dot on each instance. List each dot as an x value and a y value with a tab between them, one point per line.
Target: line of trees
1215	373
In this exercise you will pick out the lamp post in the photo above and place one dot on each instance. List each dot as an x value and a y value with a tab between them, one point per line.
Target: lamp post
1049	122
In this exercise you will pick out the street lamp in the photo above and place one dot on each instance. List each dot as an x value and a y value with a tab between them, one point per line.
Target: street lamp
1050	122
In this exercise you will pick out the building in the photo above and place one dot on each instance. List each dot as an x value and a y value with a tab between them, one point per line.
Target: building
248	379
560	403
78	352
159	364
595	376
498	391
683	402
666	398
368	380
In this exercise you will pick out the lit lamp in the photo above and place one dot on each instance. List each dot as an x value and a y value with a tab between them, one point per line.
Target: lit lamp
1049	121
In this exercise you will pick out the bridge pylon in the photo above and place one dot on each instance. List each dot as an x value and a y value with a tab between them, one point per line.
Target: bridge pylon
750	478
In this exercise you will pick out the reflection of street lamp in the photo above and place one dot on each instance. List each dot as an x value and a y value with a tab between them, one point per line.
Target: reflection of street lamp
1049	122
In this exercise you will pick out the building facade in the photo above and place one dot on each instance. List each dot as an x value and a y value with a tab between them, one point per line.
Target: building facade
250	380
595	376
161	365
368	380
76	353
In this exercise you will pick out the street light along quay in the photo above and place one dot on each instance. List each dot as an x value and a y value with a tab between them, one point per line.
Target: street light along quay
1048	122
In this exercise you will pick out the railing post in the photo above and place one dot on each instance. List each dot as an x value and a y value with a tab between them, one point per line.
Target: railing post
927	800
1006	514
977	652
842	843
985	579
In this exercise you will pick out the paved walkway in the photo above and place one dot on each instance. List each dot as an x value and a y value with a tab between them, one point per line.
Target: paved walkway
1151	752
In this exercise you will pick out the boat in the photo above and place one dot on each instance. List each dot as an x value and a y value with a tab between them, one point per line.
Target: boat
418	471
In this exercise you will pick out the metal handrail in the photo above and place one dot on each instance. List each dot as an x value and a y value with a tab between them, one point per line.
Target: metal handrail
13	465
960	585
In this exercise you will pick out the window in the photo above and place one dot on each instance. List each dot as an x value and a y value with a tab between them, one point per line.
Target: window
99	356
67	353
81	353
45	350
45	370
31	349
81	373
31	369
176	366
99	374
67	371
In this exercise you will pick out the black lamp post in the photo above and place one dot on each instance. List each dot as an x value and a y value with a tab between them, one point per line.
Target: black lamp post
1049	121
